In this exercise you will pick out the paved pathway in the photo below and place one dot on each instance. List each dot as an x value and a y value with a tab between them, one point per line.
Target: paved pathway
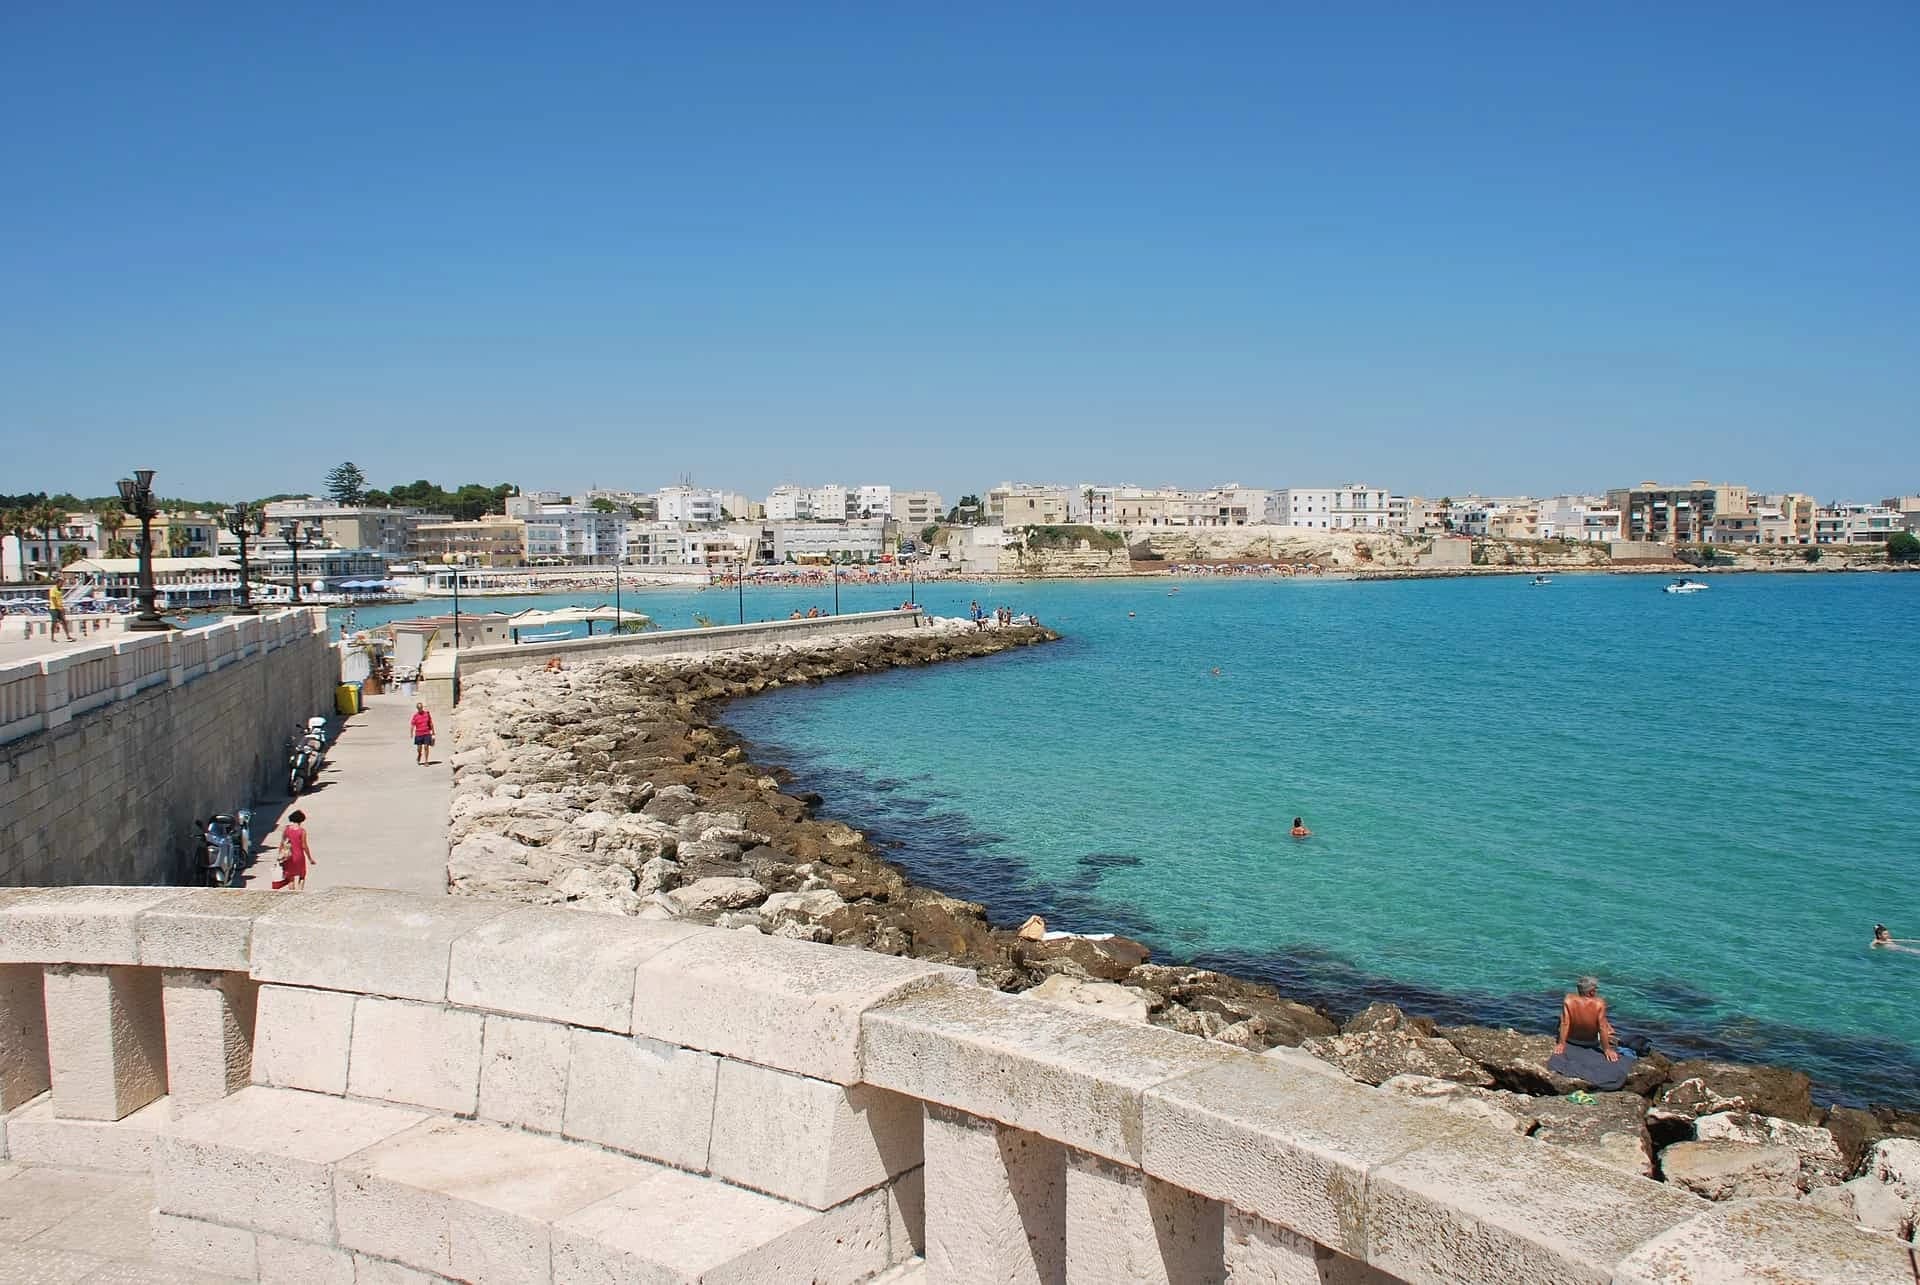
59	1225
375	819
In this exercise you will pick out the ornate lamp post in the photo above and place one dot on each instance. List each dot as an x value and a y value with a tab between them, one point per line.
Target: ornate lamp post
246	522
136	497
291	533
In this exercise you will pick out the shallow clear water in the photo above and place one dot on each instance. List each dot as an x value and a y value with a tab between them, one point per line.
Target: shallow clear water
1707	800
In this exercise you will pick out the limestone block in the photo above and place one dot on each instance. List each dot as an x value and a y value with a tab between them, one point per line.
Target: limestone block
523	1072
77	925
1124	1226
808	1141
378	1271
471	1201
295	1262
786	1004
106	1043
263	1159
558	964
23	1035
203	928
371	940
672	1226
210	1023
1283	1143
419	1054
301	1038
907	1215
1067	1075
1109	999
1484	1205
1721	1170
1256	1252
36	1136
202	1246
1767	1240
641	1096
995	1203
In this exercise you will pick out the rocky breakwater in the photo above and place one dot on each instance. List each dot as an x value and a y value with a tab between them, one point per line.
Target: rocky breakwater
610	786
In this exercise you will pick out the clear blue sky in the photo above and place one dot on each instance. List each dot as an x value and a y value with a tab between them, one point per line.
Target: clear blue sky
1432	246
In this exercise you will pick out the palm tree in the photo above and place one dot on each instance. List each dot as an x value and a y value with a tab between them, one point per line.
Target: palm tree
177	541
47	520
111	519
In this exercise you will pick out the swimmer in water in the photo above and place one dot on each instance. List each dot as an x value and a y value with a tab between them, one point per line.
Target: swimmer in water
1216	671
1300	830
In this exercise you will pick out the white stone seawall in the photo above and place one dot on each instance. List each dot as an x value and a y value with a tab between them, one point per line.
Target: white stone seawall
110	751
360	1084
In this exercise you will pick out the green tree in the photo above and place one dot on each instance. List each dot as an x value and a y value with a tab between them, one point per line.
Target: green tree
71	554
112	519
1903	546
47	520
377	499
1812	555
346	484
177	541
602	505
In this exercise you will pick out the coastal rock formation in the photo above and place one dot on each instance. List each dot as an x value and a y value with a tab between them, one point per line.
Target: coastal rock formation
1700	1088
1515	1060
1374	1057
1509	1112
1731	1170
1610	1129
1108	999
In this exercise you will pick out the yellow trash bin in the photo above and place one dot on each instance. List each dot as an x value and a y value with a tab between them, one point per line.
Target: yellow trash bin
346	699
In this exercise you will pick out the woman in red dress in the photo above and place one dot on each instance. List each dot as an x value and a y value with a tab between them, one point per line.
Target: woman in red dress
295	854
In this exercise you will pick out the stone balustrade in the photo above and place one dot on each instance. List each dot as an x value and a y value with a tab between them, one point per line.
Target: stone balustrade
350	1080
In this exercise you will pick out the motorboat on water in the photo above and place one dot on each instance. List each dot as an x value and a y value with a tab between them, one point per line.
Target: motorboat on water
1540	580
1684	585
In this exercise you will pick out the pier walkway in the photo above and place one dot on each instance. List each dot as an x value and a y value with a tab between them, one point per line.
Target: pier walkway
375	819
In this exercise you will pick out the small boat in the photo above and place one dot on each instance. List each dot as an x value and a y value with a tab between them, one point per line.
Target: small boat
1684	585
1540	580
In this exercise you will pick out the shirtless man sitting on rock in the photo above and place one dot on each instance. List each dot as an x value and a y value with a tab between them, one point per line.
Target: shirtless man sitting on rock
1587	1048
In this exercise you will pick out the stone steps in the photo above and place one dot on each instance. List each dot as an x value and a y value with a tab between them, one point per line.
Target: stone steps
292	1185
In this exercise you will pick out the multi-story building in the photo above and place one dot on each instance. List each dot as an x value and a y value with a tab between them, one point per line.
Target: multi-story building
1676	514
76	535
1908	507
574	535
392	531
493	541
1856	524
1024	504
1353	507
789	504
860	540
873	502
688	504
1577	517
917	510
738	506
830	503
1499	520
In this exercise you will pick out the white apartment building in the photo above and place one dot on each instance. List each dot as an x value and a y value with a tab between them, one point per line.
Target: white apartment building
739	506
1577	517
830	503
873	502
1354	507
574	533
1856	524
668	544
916	510
689	504
789	504
860	540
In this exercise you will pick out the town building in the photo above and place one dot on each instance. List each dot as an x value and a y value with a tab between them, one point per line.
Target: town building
492	541
1024	504
1577	517
1353	507
917	510
789	504
1856	524
861	540
76	535
689	504
1908	507
1685	514
178	582
873	502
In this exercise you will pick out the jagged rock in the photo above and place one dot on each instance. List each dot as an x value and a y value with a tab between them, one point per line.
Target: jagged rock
707	850
694	824
1730	1170
1894	1160
1122	1003
1821	1163
638	833
534	830
672	802
1853	1132
1188	1021
1706	1088
608	889
1379	1016
843	836
1612	1129
800	930
739	919
805	907
1305	1061
1651	1070
1377	1057
1515	1059
718	893
657	874
1878	1206
1109	959
1508	1112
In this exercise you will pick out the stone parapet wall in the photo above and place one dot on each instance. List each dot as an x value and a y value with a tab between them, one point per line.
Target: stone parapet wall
487	1091
110	752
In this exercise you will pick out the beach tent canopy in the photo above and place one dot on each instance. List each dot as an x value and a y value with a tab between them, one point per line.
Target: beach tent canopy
577	615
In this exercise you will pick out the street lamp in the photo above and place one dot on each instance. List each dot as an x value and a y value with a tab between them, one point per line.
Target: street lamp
291	532
136	497
836	588
740	585
246	522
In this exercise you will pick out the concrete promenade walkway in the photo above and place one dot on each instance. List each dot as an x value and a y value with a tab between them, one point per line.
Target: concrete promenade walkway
79	1225
375	819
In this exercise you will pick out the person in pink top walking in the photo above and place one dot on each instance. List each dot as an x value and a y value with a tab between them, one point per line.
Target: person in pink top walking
422	734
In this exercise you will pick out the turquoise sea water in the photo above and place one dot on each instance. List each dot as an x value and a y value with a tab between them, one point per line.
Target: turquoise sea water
1706	800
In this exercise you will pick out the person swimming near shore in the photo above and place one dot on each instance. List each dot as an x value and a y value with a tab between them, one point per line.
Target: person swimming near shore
1587	1048
1885	940
1300	830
